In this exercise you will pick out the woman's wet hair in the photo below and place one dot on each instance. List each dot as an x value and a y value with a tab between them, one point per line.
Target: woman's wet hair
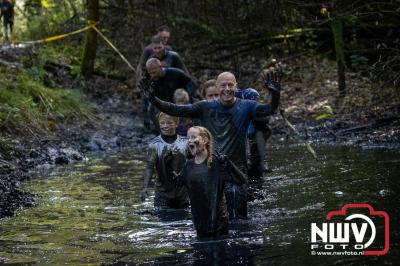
164	115
206	85
206	134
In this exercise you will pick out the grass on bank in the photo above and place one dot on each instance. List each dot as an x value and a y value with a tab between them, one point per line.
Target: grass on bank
27	104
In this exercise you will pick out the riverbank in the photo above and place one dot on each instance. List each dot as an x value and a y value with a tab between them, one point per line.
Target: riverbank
115	124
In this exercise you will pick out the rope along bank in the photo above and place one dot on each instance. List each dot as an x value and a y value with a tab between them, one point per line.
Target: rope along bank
90	26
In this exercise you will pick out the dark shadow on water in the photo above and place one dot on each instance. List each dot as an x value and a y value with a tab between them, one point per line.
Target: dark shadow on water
218	252
167	215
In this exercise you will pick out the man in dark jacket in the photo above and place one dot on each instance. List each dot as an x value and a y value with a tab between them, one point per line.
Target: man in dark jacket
227	118
165	80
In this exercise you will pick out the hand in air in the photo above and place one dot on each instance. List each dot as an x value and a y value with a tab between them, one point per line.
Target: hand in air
272	78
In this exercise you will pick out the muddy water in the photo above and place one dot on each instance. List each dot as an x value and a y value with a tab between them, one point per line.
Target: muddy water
90	213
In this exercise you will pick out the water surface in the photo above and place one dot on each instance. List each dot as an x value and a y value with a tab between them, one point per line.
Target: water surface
90	213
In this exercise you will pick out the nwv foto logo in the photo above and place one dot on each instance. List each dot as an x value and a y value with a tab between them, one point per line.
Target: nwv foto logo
355	232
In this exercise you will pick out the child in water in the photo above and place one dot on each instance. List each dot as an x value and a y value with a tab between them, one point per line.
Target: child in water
204	177
166	154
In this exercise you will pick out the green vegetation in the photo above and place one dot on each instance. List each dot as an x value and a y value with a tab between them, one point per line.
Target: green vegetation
28	103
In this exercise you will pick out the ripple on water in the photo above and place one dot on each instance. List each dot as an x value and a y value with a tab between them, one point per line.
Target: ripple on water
91	214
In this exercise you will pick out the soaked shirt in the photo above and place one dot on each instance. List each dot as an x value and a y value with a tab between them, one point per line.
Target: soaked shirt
228	125
174	79
167	158
206	193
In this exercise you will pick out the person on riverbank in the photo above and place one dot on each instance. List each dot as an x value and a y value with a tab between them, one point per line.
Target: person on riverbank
167	155
227	119
204	176
7	13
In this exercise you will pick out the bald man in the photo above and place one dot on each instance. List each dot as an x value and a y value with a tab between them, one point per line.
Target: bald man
227	118
164	81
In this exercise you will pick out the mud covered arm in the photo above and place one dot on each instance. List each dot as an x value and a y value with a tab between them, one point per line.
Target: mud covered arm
235	174
261	122
191	88
268	109
180	178
189	110
179	64
148	174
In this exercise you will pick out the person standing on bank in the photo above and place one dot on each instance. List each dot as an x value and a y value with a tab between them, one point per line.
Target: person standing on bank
227	118
7	13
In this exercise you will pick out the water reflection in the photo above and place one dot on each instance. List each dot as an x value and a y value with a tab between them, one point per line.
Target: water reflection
91	213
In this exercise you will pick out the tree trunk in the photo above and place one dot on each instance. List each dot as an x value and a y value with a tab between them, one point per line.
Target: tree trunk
89	53
337	30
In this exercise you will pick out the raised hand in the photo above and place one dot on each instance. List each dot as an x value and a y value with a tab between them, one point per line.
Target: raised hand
272	78
148	88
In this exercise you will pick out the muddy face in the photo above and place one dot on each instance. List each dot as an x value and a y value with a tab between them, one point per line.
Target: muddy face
227	87
212	93
196	143
159	50
165	35
167	126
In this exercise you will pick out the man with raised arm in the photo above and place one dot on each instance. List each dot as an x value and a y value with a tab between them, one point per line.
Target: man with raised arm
164	81
227	118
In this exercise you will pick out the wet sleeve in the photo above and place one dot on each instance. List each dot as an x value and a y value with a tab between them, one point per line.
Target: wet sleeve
189	110
235	174
191	88
181	177
268	109
151	160
261	122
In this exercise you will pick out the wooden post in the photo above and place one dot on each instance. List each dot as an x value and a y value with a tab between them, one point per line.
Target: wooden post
89	53
337	30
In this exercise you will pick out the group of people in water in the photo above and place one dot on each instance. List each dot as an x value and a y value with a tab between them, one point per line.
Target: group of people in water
210	144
